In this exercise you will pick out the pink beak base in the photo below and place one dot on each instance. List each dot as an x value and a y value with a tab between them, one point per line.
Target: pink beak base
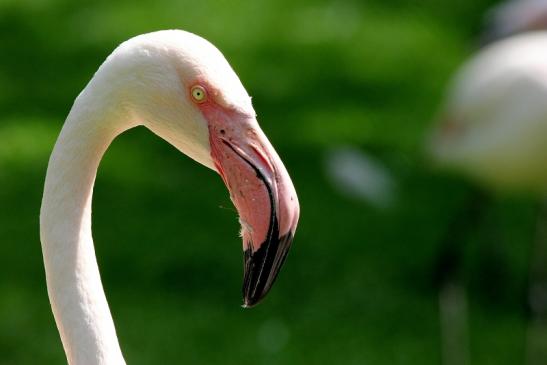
262	192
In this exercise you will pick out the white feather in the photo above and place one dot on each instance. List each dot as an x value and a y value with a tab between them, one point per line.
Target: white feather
144	81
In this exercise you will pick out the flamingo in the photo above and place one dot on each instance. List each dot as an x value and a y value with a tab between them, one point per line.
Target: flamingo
493	128
515	16
494	124
180	87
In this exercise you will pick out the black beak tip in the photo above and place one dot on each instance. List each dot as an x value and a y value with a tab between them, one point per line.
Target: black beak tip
252	297
262	268
250	302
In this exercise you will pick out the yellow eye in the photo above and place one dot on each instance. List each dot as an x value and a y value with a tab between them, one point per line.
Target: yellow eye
199	94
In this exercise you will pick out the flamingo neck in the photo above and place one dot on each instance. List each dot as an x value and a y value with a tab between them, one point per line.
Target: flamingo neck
74	284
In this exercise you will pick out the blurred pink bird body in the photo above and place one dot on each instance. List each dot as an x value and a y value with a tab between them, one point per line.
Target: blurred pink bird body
493	126
516	16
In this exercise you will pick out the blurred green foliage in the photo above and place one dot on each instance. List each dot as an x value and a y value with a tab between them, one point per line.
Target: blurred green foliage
358	287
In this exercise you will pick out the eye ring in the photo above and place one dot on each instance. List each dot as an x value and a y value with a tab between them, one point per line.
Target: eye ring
199	94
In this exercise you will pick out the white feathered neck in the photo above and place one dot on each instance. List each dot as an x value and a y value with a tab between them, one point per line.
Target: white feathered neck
144	81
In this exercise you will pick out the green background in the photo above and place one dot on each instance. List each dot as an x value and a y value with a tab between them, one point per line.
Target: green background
360	285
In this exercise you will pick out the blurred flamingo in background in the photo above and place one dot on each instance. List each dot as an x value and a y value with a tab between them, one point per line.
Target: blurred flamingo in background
494	121
180	87
514	17
493	128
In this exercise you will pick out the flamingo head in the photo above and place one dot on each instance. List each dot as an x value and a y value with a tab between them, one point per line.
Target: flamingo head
187	93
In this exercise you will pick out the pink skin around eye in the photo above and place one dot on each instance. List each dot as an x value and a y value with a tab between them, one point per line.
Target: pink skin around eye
229	149
259	185
260	189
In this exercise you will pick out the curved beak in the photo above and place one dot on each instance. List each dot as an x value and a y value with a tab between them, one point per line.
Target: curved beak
263	194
